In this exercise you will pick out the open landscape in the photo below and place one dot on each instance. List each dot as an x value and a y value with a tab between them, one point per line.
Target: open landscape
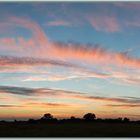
69	69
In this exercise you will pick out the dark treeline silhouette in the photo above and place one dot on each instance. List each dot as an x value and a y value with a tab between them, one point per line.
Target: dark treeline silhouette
89	117
86	126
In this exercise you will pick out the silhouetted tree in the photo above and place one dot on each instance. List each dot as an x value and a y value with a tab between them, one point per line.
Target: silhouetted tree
72	118
15	121
32	121
119	120
47	116
89	116
126	119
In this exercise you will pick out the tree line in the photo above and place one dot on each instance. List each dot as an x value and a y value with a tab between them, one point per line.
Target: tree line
88	117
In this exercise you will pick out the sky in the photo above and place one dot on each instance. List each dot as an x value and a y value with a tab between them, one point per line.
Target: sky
69	58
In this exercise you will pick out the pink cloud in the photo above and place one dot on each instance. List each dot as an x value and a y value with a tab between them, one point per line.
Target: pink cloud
105	23
17	45
9	41
39	34
71	51
93	55
26	43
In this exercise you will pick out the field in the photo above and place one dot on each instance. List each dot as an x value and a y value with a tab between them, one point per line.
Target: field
87	129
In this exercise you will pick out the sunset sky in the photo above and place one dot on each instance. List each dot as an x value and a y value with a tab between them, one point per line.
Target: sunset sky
69	58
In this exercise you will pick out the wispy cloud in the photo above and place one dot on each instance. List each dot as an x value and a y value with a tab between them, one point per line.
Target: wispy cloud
36	105
29	61
71	51
37	31
60	78
57	105
70	74
110	99
127	78
20	44
68	55
123	105
105	23
94	54
16	90
135	81
133	23
35	78
34	91
63	93
58	23
10	106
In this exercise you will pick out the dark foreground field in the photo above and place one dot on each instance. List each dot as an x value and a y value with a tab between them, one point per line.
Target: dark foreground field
86	129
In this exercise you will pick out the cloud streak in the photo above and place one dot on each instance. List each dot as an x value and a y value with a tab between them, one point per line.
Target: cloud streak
37	105
34	91
29	61
105	23
9	106
93	55
72	74
42	92
123	105
16	90
110	99
57	105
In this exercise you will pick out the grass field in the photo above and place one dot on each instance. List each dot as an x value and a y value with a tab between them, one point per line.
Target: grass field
96	129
